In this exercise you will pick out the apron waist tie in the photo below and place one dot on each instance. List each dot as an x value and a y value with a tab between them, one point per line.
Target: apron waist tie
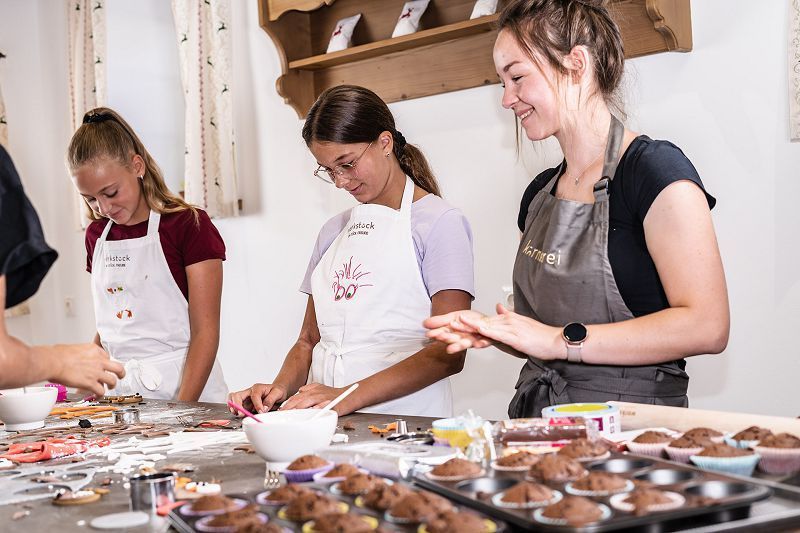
144	373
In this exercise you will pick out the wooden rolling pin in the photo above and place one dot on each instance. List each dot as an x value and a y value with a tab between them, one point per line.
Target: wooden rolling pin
639	415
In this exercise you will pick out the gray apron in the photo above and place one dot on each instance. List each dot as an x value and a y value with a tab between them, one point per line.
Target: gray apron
562	274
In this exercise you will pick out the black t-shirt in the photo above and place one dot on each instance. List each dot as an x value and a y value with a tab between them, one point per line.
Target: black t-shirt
24	256
647	167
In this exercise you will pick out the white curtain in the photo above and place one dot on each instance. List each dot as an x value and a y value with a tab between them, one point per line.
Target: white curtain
87	68
204	45
794	70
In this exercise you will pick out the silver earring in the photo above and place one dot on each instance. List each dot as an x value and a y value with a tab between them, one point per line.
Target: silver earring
387	154
141	177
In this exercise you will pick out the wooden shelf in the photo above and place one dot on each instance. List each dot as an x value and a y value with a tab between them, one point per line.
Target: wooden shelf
448	53
398	44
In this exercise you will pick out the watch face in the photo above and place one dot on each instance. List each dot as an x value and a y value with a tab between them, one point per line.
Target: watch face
575	332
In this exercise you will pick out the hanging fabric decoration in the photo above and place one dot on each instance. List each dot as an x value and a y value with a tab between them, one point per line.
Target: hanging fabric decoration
87	69
794	71
204	46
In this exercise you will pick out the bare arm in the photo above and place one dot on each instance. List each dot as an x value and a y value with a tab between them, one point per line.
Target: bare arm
85	366
205	295
680	237
416	372
261	397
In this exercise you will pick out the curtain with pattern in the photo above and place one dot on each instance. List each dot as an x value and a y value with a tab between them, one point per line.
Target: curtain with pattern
204	45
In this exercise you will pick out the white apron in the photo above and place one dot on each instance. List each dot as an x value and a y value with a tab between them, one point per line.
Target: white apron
370	302
142	316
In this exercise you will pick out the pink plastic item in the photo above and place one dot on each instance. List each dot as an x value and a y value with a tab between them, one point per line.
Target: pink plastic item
62	391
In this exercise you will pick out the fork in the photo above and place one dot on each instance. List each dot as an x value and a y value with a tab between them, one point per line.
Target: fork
272	479
185	421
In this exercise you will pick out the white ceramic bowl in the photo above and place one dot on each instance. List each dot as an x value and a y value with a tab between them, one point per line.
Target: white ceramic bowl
286	435
22	411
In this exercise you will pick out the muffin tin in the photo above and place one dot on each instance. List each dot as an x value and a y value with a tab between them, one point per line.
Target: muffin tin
186	524
710	497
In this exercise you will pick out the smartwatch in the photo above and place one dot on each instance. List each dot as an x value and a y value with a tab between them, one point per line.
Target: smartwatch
574	335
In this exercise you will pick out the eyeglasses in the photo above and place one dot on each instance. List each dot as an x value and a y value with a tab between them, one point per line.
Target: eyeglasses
345	170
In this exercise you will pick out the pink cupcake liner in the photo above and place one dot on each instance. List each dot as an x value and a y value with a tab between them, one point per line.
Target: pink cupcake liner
188	510
202	525
652	449
682	455
301	476
778	460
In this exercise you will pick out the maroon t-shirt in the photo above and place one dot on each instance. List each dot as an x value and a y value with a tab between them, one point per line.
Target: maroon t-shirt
184	240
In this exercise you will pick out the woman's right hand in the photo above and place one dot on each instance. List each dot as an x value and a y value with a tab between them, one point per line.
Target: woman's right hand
259	398
86	367
458	336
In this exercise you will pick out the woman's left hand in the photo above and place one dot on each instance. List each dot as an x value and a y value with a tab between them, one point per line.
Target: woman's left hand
521	333
315	396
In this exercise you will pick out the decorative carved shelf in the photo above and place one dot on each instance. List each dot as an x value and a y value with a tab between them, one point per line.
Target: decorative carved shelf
450	52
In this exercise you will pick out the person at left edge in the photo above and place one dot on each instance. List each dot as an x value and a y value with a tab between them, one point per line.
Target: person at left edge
156	266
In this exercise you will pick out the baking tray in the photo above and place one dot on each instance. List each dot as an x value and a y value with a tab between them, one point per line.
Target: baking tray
186	524
732	496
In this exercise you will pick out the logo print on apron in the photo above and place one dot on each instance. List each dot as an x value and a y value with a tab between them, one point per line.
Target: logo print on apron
346	281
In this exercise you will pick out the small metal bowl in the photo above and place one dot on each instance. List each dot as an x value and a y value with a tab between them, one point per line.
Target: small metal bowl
620	466
128	415
666	476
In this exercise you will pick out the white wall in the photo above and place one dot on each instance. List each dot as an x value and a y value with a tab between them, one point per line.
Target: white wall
725	104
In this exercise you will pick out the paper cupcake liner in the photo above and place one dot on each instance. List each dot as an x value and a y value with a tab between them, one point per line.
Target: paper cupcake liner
598	493
652	449
682	455
301	476
320	478
202	525
778	460
308	527
741	466
491	527
617	502
434	477
188	511
497	500
741	444
601	457
537	515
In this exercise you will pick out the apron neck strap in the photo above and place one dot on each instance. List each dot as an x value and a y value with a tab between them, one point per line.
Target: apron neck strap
408	197
616	132
152	223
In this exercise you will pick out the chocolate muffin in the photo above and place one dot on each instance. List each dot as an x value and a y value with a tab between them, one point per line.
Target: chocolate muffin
213	503
703	433
576	510
307	462
382	496
687	441
310	506
556	468
752	433
582	449
457	468
358	483
526	492
462	522
518	459
645	500
600	482
287	493
781	440
247	516
724	450
341	523
652	437
419	507
342	470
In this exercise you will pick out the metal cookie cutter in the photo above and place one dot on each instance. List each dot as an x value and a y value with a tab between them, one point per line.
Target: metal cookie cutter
128	415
